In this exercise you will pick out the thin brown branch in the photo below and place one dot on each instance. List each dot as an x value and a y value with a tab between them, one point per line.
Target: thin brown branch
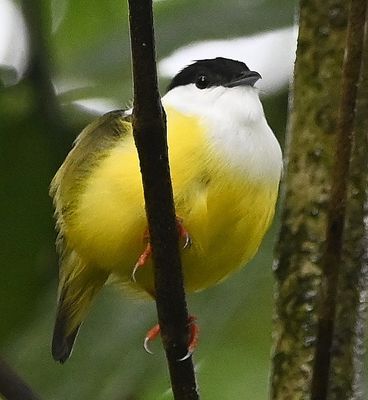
149	130
347	372
12	386
331	261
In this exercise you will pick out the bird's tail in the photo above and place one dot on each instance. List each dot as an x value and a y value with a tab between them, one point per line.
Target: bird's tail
79	284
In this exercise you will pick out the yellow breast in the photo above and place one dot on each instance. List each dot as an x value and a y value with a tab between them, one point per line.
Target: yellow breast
225	212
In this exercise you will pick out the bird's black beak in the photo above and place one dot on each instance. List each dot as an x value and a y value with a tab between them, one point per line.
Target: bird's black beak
248	78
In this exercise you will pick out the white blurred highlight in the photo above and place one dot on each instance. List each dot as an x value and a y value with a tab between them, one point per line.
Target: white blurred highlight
97	105
272	54
59	9
62	86
14	43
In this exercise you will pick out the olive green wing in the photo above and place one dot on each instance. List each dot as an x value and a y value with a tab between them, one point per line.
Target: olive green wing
78	285
90	148
79	282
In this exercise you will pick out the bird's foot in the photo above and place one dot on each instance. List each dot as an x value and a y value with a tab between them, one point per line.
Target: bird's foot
193	337
143	258
183	233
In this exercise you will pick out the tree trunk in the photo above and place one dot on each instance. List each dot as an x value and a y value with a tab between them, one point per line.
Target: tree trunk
310	148
322	264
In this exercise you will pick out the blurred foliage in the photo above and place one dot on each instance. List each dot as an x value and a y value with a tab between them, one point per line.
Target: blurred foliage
89	43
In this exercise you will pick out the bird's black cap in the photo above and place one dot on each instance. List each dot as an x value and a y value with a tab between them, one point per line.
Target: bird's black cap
215	72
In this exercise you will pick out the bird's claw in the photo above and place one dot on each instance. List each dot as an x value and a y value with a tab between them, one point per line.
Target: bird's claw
151	335
183	233
135	269
145	345
141	260
188	241
193	339
189	354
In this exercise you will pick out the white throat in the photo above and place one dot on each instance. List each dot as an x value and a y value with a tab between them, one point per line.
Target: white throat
237	130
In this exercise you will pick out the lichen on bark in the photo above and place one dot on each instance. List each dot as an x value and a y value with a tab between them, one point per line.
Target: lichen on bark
309	159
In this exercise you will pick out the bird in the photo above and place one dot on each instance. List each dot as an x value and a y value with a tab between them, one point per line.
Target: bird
225	164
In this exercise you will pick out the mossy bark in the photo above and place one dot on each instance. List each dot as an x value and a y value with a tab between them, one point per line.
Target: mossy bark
310	150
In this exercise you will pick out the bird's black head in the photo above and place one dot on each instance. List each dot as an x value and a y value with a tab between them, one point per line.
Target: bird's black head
215	72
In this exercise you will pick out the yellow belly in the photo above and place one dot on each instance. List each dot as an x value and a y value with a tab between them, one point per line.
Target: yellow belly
226	214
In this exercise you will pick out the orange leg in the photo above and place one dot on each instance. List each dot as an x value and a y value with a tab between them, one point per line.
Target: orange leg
183	233
193	337
143	258
151	335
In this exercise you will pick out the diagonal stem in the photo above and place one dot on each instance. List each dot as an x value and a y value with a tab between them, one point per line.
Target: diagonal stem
12	386
149	129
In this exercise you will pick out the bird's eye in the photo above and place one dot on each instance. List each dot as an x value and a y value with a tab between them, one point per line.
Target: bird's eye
202	82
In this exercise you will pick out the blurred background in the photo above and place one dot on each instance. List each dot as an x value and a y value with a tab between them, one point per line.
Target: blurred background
62	63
